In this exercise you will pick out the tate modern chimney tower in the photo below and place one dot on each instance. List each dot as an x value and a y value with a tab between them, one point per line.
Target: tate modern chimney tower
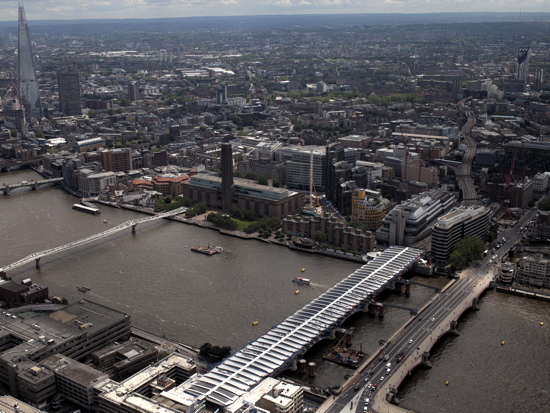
27	86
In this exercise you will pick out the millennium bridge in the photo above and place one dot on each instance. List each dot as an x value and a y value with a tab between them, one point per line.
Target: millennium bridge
283	345
132	223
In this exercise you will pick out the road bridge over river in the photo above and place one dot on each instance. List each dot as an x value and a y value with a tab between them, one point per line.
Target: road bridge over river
7	188
128	224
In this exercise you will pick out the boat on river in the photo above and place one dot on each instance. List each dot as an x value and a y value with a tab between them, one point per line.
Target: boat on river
301	280
210	250
85	208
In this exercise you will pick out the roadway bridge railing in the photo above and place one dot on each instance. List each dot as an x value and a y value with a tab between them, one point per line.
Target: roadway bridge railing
132	223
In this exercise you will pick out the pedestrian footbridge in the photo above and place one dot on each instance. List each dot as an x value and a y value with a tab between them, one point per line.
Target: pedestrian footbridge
279	348
132	223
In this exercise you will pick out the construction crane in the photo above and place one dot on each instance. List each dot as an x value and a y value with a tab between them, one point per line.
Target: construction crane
507	191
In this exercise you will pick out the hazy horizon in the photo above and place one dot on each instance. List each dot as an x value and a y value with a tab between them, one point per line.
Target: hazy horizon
153	9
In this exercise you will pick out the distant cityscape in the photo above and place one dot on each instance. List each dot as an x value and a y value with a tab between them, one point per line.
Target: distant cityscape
402	146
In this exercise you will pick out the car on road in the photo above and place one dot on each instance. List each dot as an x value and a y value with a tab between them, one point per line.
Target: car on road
382	378
410	341
433	318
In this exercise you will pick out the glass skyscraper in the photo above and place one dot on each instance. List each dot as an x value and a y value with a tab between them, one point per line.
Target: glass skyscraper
27	86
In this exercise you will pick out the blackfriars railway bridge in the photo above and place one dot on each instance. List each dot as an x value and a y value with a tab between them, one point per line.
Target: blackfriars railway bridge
128	224
281	347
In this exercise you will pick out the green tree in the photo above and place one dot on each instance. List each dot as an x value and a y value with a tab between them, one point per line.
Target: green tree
125	102
320	236
13	133
39	134
544	204
251	175
466	250
262	180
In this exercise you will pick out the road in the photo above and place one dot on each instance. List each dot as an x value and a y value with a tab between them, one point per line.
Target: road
419	334
463	172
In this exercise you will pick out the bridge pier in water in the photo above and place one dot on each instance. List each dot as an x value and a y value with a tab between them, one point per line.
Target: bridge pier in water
302	366
391	396
37	262
134	229
408	288
6	190
311	369
475	304
426	360
454	331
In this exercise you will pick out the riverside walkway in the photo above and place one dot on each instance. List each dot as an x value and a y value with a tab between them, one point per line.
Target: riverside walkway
132	223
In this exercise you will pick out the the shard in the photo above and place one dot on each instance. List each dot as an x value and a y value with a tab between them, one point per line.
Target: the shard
27	86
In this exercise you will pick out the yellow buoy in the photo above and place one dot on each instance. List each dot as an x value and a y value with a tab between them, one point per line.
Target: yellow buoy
447	383
502	343
542	323
303	269
254	323
297	292
187	246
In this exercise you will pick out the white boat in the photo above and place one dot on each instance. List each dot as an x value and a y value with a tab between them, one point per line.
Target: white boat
301	280
85	208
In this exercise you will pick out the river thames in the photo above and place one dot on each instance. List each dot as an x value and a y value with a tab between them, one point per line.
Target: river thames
170	290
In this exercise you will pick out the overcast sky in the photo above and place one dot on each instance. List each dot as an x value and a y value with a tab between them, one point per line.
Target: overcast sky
88	9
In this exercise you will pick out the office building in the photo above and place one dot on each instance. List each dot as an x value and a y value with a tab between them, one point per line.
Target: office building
116	160
531	156
10	404
75	331
146	390
412	220
540	182
369	208
69	91
538	81
534	270
524	56
521	193
299	162
452	227
334	154
91	183
133	91
74	381
28	91
121	360
269	169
